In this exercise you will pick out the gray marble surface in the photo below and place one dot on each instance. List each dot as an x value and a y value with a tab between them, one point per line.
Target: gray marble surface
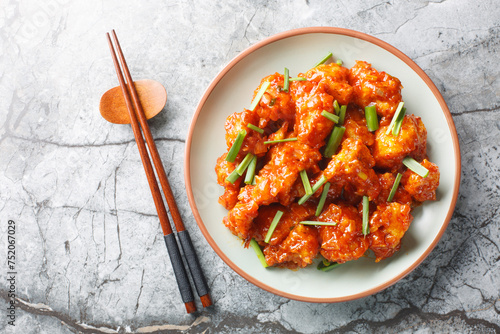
90	256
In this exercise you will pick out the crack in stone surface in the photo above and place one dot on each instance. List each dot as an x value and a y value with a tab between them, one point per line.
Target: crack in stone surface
45	310
465	112
43	141
402	321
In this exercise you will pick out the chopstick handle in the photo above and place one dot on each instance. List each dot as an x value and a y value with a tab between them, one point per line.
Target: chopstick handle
179	270
194	267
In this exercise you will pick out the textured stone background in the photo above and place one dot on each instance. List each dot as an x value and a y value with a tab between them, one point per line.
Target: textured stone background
90	255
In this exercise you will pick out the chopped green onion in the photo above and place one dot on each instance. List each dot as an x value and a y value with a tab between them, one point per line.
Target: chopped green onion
339	62
395	117
272	102
259	95
287	81
313	222
332	117
279	141
250	176
303	199
273	225
315	187
244	163
305	182
371	118
366	211
343	110
336	107
318	184
259	253
415	167
231	178
322	199
399	123
322	61
297	79
334	141
255	128
235	148
327	266
394	187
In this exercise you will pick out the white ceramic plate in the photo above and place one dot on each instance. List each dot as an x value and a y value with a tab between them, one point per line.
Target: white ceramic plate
231	91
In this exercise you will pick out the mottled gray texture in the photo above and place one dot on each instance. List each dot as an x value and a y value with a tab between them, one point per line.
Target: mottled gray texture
90	254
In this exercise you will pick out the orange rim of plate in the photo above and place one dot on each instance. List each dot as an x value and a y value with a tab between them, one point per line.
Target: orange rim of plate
337	31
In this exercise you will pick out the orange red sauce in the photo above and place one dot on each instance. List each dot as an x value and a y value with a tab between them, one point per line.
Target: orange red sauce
365	164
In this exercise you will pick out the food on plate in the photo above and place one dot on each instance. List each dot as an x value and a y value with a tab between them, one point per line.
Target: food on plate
326	165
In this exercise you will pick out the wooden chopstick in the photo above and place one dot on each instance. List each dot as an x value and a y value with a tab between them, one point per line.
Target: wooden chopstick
185	240
183	235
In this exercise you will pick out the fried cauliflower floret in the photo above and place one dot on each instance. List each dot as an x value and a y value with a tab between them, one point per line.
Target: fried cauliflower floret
355	126
388	224
223	169
275	104
422	188
333	78
389	150
374	87
239	218
310	101
285	161
292	215
298	250
353	166
253	142
386	181
344	241
275	179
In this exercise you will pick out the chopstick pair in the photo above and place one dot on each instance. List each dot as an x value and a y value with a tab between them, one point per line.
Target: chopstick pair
128	90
